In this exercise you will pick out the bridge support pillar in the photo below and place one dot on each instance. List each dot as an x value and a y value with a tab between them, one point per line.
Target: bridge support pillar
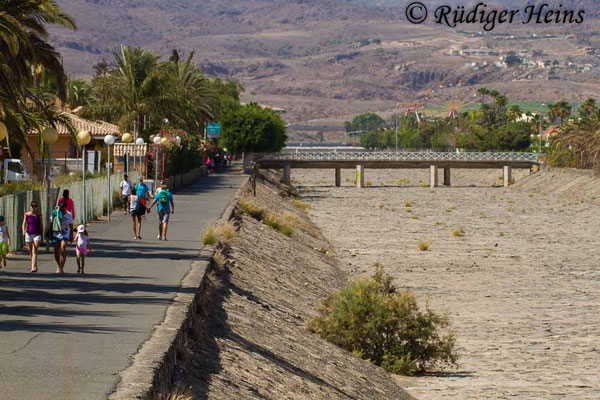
433	176
507	173
287	174
360	176
338	177
446	176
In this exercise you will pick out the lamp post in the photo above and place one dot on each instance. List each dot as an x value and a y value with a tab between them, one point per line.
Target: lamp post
84	138
109	140
127	138
540	138
49	136
135	142
163	143
138	142
3	134
157	140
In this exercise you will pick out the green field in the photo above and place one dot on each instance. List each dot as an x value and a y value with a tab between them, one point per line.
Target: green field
526	106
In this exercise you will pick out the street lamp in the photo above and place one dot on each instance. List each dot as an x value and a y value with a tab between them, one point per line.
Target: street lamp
127	138
83	137
109	140
157	140
49	136
138	142
540	138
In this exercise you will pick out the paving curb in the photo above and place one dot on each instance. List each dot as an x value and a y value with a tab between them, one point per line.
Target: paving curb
151	371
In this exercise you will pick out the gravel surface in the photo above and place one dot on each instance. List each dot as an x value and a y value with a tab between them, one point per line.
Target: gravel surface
517	269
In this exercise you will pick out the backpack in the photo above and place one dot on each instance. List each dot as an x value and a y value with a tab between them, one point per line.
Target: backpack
163	197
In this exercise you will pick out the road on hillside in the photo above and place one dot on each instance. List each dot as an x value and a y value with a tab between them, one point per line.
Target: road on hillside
68	337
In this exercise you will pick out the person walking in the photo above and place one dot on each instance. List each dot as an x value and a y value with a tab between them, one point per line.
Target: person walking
33	227
166	206
61	225
4	241
82	248
137	210
125	186
142	190
68	201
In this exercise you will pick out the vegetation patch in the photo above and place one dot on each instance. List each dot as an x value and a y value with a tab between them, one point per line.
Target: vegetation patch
286	230
252	208
210	237
377	322
458	232
302	205
424	246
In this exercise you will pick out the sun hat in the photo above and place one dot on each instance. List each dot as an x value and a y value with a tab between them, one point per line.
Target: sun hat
81	228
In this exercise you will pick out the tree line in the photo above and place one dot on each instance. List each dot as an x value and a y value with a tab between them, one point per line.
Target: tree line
134	85
494	126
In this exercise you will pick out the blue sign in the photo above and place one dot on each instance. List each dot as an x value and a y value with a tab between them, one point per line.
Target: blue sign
213	130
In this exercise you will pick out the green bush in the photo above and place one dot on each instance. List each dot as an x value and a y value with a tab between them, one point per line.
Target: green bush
287	230
18	187
370	318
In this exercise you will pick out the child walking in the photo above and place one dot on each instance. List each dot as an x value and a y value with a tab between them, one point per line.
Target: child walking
82	247
4	241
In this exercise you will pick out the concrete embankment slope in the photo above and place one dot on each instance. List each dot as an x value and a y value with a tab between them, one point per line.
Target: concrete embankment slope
568	183
251	339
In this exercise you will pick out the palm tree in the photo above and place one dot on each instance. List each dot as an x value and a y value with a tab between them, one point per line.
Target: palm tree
588	108
24	53
560	110
127	93
27	45
514	112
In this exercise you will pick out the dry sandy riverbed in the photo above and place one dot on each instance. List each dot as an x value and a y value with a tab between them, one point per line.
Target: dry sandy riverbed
522	285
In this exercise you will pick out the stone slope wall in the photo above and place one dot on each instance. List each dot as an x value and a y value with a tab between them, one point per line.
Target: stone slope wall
251	339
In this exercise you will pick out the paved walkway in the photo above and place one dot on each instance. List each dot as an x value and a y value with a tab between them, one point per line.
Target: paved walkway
68	337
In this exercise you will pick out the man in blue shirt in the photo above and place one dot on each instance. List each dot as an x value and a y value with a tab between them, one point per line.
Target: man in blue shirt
164	199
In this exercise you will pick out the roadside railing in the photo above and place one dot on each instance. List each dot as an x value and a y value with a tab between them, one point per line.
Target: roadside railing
400	156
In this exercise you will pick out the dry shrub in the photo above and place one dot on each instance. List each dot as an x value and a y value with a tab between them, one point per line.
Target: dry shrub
226	231
272	220
210	237
458	232
291	219
302	205
407	204
381	206
286	230
252	208
377	322
368	183
178	394
424	246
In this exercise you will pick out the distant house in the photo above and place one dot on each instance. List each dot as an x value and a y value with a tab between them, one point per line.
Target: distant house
550	132
66	147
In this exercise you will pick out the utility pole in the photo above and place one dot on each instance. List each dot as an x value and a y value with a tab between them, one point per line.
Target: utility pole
396	132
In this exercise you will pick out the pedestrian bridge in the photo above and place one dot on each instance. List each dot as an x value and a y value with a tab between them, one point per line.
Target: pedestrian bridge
398	160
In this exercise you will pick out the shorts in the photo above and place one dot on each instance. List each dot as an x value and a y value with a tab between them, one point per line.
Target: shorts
81	251
163	216
58	239
3	248
32	238
137	212
124	197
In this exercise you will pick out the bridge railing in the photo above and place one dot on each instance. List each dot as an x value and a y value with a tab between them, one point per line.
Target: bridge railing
401	156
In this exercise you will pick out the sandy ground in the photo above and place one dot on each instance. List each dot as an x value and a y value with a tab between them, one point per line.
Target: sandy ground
522	285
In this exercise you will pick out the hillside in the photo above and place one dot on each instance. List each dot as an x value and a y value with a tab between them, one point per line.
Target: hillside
328	60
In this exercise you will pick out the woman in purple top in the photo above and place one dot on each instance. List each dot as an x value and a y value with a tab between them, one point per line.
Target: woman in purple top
33	226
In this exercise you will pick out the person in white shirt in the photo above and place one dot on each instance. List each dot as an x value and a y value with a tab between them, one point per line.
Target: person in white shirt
125	192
